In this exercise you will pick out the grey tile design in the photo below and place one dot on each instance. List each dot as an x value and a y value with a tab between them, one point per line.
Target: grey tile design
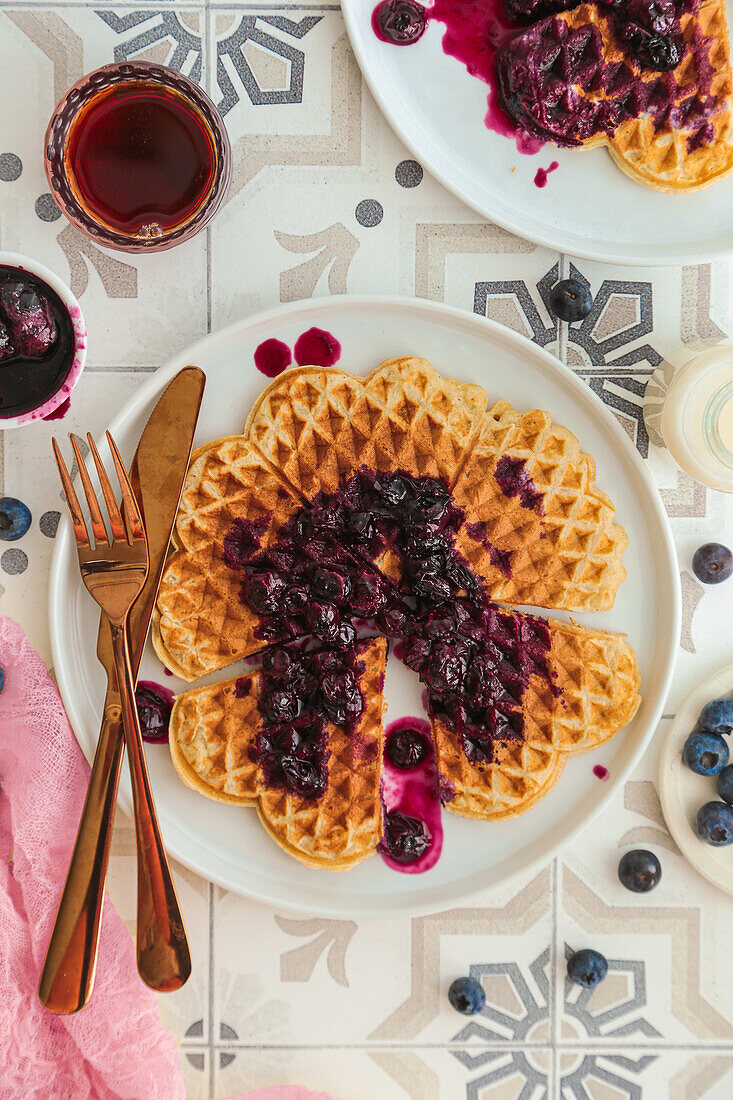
278	77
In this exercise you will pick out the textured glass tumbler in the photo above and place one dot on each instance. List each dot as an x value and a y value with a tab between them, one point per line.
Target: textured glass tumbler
60	170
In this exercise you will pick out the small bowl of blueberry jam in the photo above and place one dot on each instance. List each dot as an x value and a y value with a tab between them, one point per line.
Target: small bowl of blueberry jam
42	342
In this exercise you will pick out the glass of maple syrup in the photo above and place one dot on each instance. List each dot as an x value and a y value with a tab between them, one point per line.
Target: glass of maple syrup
137	157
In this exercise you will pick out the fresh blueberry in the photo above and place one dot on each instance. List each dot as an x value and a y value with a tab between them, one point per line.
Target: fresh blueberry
639	870
714	823
712	563
587	967
705	753
717	716
2	678
15	519
571	300
467	996
724	784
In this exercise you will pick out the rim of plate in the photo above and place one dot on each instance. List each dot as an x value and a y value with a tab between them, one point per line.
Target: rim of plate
629	256
446	896
671	768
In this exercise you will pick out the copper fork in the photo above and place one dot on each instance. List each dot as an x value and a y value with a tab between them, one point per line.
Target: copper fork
114	571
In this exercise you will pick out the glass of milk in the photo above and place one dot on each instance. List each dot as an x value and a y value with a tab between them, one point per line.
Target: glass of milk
697	421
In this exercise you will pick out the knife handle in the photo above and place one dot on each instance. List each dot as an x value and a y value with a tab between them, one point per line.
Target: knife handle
71	960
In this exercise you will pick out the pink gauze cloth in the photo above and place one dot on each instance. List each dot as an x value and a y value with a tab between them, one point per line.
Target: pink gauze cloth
116	1048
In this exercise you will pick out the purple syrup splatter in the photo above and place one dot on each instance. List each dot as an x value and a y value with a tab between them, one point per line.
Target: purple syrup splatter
540	179
317	348
60	412
272	357
500	559
600	772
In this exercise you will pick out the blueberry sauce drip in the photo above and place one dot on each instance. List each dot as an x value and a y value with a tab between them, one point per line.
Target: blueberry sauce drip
154	705
317	348
272	357
412	827
320	579
300	692
36	342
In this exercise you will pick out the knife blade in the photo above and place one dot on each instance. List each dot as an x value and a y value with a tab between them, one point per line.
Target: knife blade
157	474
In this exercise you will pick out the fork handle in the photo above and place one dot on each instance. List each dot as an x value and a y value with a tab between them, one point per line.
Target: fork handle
71	960
163	956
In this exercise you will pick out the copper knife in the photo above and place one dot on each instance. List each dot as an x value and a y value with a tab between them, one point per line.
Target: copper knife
157	474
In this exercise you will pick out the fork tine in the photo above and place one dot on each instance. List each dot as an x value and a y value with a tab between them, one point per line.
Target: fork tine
115	519
77	519
132	512
100	531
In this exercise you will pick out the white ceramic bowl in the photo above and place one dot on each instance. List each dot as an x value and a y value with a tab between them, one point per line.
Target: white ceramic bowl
63	393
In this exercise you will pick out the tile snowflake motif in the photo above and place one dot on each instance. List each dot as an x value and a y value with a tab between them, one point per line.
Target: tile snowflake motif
140	31
518	1009
608	349
235	74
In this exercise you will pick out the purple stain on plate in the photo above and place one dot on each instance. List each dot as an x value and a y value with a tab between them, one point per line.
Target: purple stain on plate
317	348
601	772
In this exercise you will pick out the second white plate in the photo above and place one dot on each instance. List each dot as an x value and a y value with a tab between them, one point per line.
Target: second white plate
227	844
588	208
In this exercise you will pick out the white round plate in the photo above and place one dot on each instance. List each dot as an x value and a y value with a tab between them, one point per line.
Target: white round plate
682	792
228	845
588	208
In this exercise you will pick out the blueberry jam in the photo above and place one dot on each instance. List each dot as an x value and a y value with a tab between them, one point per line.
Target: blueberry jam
412	830
510	474
319	579
540	179
400	22
154	704
300	693
272	357
317	348
36	342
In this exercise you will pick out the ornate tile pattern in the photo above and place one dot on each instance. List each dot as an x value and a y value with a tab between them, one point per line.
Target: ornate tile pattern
326	200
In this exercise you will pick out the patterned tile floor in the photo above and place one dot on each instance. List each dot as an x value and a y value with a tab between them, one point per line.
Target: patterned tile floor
325	200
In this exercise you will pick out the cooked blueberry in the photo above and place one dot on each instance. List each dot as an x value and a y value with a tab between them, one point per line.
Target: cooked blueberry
467	996
32	324
406	748
264	591
323	620
639	870
717	717
295	598
280	705
368	597
6	343
571	300
447	667
303	776
154	706
394	489
329	585
705	753
712	563
405	838
15	519
415	652
342	700
345	635
277	660
587	967
724	784
714	823
393	620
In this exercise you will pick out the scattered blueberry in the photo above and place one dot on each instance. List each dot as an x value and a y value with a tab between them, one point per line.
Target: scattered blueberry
712	563
406	838
571	300
406	748
714	823
2	678
724	784
717	716
587	967
401	22
639	870
15	519
705	753
467	996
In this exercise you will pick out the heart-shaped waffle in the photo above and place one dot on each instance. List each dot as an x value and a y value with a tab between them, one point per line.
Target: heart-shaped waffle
292	531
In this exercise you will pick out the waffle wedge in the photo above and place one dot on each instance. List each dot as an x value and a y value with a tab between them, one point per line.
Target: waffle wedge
596	680
212	738
550	540
572	80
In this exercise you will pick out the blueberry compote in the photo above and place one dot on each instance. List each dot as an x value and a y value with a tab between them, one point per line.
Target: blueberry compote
319	579
154	704
300	693
36	342
400	22
412	830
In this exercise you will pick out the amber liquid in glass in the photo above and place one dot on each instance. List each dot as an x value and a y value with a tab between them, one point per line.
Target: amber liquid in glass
141	158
